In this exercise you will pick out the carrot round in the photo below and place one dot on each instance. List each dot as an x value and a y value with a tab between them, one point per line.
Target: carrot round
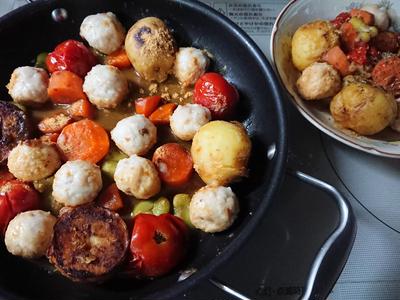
146	106
162	114
174	164
84	140
118	59
65	87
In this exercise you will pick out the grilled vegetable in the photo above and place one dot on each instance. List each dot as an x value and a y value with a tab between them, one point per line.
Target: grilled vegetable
89	243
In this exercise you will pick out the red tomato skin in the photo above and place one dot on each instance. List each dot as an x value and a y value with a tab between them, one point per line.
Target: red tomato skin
72	56
16	197
5	213
151	258
218	95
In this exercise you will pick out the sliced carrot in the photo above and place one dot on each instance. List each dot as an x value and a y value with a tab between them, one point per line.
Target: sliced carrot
349	36
162	114
336	57
81	109
118	59
366	16
65	87
84	140
174	164
110	198
145	106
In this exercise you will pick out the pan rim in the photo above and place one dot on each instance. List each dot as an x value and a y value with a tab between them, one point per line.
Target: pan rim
278	163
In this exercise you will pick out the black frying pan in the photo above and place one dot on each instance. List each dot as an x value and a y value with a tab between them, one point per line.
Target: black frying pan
31	30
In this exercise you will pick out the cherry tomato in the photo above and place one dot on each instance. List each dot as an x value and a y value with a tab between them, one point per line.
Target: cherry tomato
15	197
158	244
72	56
218	95
341	19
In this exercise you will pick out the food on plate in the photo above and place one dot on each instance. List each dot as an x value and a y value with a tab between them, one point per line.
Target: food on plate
151	49
134	135
33	160
105	86
158	244
84	140
29	234
28	85
174	164
311	41
73	56
190	64
213	208
381	16
77	182
117	137
363	108
15	127
187	120
15	197
386	74
89	243
218	95
355	56
319	81
220	151
103	32
137	176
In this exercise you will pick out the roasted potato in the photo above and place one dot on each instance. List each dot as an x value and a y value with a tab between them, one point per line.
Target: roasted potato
363	108
310	42
151	49
220	151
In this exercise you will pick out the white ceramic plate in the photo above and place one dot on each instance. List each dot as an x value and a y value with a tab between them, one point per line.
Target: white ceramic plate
295	14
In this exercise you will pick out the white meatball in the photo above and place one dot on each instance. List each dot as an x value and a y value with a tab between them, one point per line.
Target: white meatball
103	32
105	86
29	234
190	64
77	182
319	81
213	208
28	85
134	135
33	160
187	120
137	176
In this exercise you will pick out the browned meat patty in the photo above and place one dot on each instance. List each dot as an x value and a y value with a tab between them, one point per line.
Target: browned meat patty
14	127
89	242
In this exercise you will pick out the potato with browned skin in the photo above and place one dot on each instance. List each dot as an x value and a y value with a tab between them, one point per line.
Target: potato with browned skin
363	108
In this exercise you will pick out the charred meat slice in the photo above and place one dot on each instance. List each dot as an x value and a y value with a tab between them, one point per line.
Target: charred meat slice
14	127
88	243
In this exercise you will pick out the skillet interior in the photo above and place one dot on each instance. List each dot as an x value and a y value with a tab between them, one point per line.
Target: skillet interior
30	30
